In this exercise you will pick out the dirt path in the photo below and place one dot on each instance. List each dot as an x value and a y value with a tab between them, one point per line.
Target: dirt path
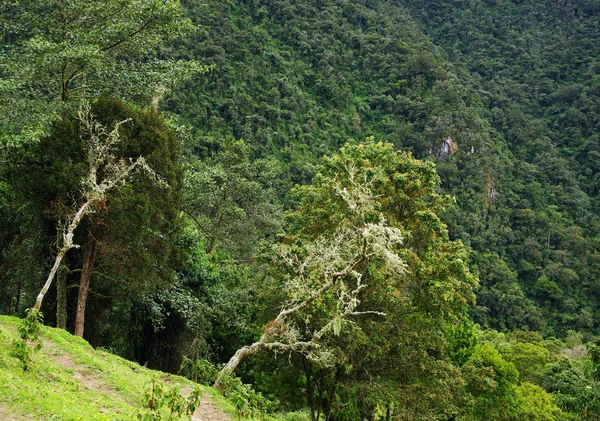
4	416
208	411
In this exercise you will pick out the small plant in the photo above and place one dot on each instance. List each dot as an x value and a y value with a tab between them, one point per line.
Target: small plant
29	343
164	403
246	400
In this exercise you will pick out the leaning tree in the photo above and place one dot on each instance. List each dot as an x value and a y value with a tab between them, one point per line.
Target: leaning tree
366	253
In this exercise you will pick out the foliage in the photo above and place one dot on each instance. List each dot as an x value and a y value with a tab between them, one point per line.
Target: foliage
580	394
502	95
245	399
462	340
29	330
539	90
162	402
528	359
63	50
231	199
492	382
133	226
200	371
538	405
399	320
296	80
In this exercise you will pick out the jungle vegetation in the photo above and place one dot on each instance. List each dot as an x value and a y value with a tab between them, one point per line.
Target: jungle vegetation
368	209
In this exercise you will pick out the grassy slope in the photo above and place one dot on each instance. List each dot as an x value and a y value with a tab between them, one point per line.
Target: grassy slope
69	380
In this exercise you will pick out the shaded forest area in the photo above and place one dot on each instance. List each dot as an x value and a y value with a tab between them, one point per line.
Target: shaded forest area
255	97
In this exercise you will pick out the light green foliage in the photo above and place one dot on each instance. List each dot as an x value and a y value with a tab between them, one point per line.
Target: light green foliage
167	403
294	416
492	382
29	343
538	405
245	399
528	358
200	371
462	341
573	338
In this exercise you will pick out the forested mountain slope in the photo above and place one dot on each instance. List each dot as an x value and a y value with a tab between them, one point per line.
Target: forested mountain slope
275	232
502	95
536	67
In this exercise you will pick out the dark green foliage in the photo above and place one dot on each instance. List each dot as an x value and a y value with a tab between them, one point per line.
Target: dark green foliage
134	228
297	79
536	69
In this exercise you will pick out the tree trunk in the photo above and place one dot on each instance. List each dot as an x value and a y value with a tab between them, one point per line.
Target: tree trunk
61	296
309	388
66	246
44	290
89	258
328	415
237	358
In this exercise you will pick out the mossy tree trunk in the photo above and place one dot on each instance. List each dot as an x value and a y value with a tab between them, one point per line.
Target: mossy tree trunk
89	258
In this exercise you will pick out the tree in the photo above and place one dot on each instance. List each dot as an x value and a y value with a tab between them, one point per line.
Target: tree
327	272
127	229
371	282
493	384
106	171
56	51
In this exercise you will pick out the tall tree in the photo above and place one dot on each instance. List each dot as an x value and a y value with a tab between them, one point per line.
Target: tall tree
371	279
105	173
127	229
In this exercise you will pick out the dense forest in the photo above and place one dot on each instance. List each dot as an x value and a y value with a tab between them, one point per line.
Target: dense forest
365	209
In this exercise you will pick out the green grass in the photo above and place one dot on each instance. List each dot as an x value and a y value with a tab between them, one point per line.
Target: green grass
69	380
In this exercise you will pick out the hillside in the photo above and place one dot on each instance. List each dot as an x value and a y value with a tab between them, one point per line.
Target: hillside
69	380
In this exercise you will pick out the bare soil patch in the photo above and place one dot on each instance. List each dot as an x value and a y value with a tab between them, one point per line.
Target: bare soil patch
84	375
208	411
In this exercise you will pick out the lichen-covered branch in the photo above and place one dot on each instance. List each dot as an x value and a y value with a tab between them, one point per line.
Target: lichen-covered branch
331	265
101	155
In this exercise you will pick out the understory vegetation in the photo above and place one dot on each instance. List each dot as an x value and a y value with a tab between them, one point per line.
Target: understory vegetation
329	210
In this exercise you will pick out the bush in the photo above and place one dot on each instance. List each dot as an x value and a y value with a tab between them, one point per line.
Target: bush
246	400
